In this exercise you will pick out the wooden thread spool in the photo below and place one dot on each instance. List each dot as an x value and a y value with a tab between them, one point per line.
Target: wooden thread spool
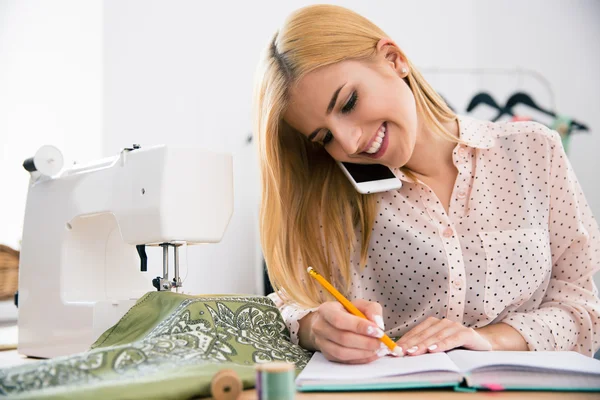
275	381
226	385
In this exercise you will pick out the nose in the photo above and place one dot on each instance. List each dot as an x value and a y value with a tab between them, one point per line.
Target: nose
348	136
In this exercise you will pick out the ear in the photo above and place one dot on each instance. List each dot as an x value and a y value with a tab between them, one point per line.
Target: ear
388	50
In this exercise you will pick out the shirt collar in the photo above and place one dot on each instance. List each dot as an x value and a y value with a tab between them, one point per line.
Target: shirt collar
474	133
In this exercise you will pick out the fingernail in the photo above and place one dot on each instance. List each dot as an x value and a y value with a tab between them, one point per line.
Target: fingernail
412	349
383	350
379	321
432	347
375	332
397	352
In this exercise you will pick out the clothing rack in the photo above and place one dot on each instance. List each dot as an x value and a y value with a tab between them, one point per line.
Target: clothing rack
518	73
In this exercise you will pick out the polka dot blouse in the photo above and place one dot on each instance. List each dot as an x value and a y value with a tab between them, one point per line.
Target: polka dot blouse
519	244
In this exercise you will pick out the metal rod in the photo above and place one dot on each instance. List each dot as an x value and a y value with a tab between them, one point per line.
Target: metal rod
165	247
177	281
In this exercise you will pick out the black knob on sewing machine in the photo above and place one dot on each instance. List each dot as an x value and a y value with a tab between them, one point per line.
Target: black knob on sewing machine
156	283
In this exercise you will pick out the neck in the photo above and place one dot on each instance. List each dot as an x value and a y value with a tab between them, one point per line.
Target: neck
432	155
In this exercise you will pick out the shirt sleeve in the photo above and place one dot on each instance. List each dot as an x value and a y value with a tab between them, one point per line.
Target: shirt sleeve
569	315
291	313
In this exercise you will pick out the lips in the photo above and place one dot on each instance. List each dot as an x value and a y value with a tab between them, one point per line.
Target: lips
370	144
384	144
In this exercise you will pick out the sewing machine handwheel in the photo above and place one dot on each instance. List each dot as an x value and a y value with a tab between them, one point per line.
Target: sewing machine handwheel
48	160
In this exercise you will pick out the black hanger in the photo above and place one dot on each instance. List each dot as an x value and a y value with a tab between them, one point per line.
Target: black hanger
524	98
482	98
486	98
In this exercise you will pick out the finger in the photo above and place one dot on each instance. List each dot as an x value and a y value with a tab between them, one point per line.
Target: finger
456	339
334	352
416	330
435	332
345	338
431	344
372	311
420	327
468	338
335	314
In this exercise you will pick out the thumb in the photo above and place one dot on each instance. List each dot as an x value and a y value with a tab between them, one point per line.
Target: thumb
372	311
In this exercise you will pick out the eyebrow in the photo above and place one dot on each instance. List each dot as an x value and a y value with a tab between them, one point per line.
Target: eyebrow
329	109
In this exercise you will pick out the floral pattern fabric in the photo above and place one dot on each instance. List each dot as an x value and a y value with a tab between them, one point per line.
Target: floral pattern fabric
167	346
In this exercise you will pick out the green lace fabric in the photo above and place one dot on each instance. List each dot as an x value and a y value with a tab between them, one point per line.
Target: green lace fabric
167	346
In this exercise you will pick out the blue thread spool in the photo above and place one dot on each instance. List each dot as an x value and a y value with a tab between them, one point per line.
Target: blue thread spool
275	381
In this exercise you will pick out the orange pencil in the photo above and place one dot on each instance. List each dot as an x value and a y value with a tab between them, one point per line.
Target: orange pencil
351	308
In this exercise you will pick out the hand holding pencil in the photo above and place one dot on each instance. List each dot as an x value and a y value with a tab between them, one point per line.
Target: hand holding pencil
349	332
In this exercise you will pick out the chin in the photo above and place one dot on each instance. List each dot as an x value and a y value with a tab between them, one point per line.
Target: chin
396	162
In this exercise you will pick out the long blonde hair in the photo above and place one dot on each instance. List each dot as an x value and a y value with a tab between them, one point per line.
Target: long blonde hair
309	209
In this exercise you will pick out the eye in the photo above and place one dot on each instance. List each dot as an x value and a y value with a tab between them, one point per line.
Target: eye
327	138
349	106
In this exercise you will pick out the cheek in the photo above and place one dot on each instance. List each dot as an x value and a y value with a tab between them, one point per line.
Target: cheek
406	101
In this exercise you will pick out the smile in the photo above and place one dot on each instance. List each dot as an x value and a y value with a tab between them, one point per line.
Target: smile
378	144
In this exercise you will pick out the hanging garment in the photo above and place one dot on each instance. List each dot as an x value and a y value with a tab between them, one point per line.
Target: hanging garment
564	126
520	118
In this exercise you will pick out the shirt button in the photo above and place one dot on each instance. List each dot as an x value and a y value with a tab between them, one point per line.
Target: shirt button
462	194
448	232
457	283
462	152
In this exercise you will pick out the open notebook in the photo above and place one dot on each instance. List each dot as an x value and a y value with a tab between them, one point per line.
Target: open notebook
461	369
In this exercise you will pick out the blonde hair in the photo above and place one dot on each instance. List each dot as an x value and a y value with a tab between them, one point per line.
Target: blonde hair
309	209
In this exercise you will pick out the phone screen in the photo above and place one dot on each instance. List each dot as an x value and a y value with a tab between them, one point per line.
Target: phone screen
368	172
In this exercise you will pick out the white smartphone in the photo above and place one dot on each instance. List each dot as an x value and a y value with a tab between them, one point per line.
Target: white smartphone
370	178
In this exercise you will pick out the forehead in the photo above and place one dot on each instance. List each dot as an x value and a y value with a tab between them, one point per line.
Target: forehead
311	95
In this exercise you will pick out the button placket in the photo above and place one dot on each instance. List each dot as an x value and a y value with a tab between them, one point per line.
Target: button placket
455	297
456	270
458	202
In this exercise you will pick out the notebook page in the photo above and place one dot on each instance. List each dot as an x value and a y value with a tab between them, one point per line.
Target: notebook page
468	360
319	368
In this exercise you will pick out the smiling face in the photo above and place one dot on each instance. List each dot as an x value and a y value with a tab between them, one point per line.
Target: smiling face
362	112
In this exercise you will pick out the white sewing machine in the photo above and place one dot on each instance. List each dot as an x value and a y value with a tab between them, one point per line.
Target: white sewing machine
83	250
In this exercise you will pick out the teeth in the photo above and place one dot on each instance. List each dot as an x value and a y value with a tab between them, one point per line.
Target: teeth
374	148
378	140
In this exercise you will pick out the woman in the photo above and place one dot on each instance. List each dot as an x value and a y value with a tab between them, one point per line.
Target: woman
488	245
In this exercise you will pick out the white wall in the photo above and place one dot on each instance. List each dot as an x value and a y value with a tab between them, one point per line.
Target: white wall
180	72
50	92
